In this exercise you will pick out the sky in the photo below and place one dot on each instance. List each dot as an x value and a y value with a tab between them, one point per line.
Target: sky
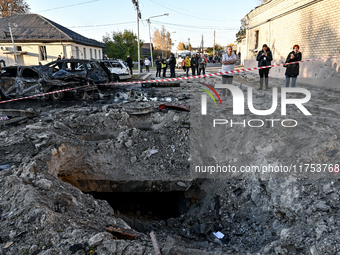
186	19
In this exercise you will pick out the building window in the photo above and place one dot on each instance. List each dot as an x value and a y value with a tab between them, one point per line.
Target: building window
77	52
84	50
42	53
19	48
256	39
95	54
90	53
99	55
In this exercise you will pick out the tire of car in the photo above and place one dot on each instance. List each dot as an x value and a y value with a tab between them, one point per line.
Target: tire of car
57	96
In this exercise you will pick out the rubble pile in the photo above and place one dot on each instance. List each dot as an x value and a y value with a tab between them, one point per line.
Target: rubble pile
124	143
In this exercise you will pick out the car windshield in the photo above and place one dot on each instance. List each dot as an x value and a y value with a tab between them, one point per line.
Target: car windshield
183	55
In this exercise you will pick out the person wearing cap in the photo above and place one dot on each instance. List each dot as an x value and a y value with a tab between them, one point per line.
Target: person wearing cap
293	69
228	64
264	57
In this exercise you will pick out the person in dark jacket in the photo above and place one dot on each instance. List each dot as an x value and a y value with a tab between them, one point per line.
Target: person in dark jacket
197	65
141	63
158	66
129	63
60	64
193	64
264	57
293	69
172	64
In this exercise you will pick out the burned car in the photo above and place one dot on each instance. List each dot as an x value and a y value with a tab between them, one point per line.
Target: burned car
118	69
19	81
78	68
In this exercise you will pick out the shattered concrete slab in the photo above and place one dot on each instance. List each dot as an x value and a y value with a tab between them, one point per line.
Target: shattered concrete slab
68	149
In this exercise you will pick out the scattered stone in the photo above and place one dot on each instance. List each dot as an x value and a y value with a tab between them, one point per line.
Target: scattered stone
133	159
99	238
44	184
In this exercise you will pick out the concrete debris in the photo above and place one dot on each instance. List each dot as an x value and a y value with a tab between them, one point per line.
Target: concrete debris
99	238
55	167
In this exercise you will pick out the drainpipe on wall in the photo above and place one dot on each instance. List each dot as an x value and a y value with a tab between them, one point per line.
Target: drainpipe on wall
247	35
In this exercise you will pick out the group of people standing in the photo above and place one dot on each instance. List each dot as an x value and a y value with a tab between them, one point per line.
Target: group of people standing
196	63
162	64
264	58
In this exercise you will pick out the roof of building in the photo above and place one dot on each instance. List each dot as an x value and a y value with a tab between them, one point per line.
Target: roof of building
33	28
147	45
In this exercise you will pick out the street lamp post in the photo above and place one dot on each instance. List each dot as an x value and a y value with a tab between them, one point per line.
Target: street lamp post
10	30
148	20
139	16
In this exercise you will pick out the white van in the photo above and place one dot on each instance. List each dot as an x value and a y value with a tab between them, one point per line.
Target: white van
180	55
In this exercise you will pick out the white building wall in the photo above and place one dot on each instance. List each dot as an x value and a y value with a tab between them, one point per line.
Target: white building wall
33	56
316	28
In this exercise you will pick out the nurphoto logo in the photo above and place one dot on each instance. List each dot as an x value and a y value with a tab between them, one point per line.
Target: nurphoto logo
238	105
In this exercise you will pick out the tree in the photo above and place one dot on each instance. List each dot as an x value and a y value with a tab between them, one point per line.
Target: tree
162	40
242	31
121	44
181	46
11	7
217	48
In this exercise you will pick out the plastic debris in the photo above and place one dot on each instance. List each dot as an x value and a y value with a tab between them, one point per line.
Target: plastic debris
177	107
332	152
122	233
218	234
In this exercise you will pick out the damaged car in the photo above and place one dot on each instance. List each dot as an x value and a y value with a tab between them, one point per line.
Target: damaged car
20	81
118	69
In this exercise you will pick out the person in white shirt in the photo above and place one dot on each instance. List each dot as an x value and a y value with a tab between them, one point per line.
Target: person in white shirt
147	64
228	64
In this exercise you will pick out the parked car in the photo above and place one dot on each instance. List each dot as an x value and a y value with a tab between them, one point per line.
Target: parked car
19	81
118	68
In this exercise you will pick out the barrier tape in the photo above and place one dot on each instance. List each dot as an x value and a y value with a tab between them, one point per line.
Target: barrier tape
176	79
217	74
43	94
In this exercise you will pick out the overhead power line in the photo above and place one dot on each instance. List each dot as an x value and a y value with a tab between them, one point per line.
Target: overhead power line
200	27
187	14
66	6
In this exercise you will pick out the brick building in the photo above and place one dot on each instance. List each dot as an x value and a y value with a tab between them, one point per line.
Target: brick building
313	24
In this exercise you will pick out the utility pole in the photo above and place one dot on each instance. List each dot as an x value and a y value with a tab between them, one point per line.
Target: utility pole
10	30
139	16
162	34
202	44
148	20
214	46
189	44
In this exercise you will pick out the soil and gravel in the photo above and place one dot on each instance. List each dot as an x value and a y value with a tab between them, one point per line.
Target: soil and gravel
57	166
